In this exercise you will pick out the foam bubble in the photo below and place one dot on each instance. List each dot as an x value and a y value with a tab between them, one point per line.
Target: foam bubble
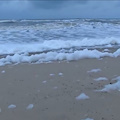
94	70
88	119
60	74
30	106
12	106
82	96
101	79
114	86
3	71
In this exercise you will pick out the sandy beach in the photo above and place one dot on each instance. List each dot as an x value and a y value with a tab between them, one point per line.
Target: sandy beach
48	91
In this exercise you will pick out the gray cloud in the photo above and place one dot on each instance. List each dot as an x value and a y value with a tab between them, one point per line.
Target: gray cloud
53	4
53	9
47	4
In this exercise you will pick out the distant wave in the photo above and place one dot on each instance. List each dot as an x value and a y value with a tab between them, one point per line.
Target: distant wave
114	21
110	21
8	21
58	45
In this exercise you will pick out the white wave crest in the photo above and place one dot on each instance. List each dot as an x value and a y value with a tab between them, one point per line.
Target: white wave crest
55	44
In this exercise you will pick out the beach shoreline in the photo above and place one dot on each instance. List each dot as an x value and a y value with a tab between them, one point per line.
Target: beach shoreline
51	90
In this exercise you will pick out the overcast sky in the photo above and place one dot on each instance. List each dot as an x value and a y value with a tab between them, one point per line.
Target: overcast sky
55	9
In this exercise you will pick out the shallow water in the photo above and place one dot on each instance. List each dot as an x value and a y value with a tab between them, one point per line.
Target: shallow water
39	35
59	36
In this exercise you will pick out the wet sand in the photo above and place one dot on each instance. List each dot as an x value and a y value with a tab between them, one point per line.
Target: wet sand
53	87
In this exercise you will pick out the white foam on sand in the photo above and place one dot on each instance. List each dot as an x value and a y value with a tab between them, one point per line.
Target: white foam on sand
53	56
12	106
3	71
44	81
88	119
30	106
94	70
56	56
60	74
82	96
101	79
114	86
52	74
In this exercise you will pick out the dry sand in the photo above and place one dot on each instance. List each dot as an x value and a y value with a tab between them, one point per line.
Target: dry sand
54	97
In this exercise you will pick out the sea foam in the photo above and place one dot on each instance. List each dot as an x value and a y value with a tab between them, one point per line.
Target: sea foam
55	56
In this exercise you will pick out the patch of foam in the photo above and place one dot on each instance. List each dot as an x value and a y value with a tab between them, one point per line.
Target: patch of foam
106	50
94	71
30	106
88	119
82	96
101	79
114	86
116	53
44	81
12	106
52	74
3	71
60	74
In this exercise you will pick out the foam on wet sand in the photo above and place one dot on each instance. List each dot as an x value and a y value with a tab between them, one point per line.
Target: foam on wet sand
82	96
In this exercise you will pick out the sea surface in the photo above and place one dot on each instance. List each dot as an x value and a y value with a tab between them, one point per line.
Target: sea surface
38	37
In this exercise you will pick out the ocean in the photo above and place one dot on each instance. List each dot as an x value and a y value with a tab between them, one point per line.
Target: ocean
37	41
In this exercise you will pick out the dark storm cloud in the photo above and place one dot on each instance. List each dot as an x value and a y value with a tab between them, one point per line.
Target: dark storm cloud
47	4
53	4
53	9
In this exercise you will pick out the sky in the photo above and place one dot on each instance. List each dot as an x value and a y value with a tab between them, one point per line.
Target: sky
59	9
